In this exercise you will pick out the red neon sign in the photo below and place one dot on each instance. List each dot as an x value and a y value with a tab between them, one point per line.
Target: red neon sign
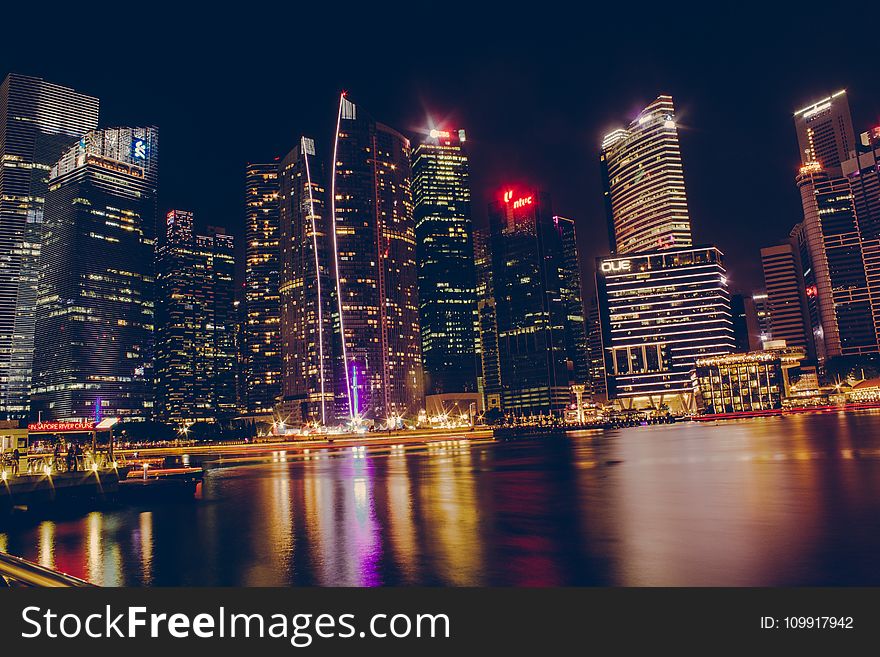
62	426
520	202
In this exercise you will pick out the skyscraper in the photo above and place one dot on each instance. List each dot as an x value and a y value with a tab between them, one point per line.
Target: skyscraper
95	308
262	280
444	246
740	321
38	122
308	293
374	255
526	249
645	195
758	318
663	303
195	350
863	173
576	348
487	327
788	316
660	312
598	388
836	261
825	132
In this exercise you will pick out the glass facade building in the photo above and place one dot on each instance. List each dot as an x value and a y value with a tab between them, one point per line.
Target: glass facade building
195	323
835	260
487	327
645	195
39	121
786	316
374	257
527	261
744	382
96	288
262	281
576	347
444	248
659	313
308	293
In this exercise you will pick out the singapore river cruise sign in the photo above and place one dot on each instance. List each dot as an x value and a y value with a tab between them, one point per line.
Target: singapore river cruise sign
58	427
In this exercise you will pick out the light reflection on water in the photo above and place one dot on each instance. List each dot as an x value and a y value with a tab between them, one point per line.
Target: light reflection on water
780	501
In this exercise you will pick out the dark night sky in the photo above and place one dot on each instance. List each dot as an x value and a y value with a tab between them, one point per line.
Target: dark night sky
535	90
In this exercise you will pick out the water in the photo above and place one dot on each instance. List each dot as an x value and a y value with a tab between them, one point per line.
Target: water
782	501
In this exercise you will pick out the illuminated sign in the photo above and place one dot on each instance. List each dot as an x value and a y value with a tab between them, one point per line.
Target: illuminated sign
139	149
507	196
440	133
61	426
521	202
812	291
610	266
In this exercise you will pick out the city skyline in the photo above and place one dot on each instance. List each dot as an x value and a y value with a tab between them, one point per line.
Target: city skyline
567	98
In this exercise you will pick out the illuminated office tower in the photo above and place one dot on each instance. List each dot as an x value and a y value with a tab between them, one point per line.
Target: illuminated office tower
786	303
825	131
526	249
660	312
863	172
445	256
96	288
38	122
308	293
487	327
195	330
576	348
262	280
835	259
645	196
374	252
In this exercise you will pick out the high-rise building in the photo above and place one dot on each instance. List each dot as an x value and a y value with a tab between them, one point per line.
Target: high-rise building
576	347
38	122
786	302
825	132
487	327
95	307
645	195
740	321
863	172
240	342
526	250
308	293
835	243
195	349
660	312
598	388
836	261
445	256
262	281
374	253
662	302
758	319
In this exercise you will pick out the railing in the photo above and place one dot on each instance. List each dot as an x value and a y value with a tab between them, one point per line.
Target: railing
15	571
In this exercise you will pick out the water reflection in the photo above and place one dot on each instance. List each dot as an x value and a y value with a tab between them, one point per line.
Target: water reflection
779	501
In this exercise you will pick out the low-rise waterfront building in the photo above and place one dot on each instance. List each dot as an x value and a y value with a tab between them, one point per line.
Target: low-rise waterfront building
750	381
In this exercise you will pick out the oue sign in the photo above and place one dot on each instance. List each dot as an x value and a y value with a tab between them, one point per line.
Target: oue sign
614	266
